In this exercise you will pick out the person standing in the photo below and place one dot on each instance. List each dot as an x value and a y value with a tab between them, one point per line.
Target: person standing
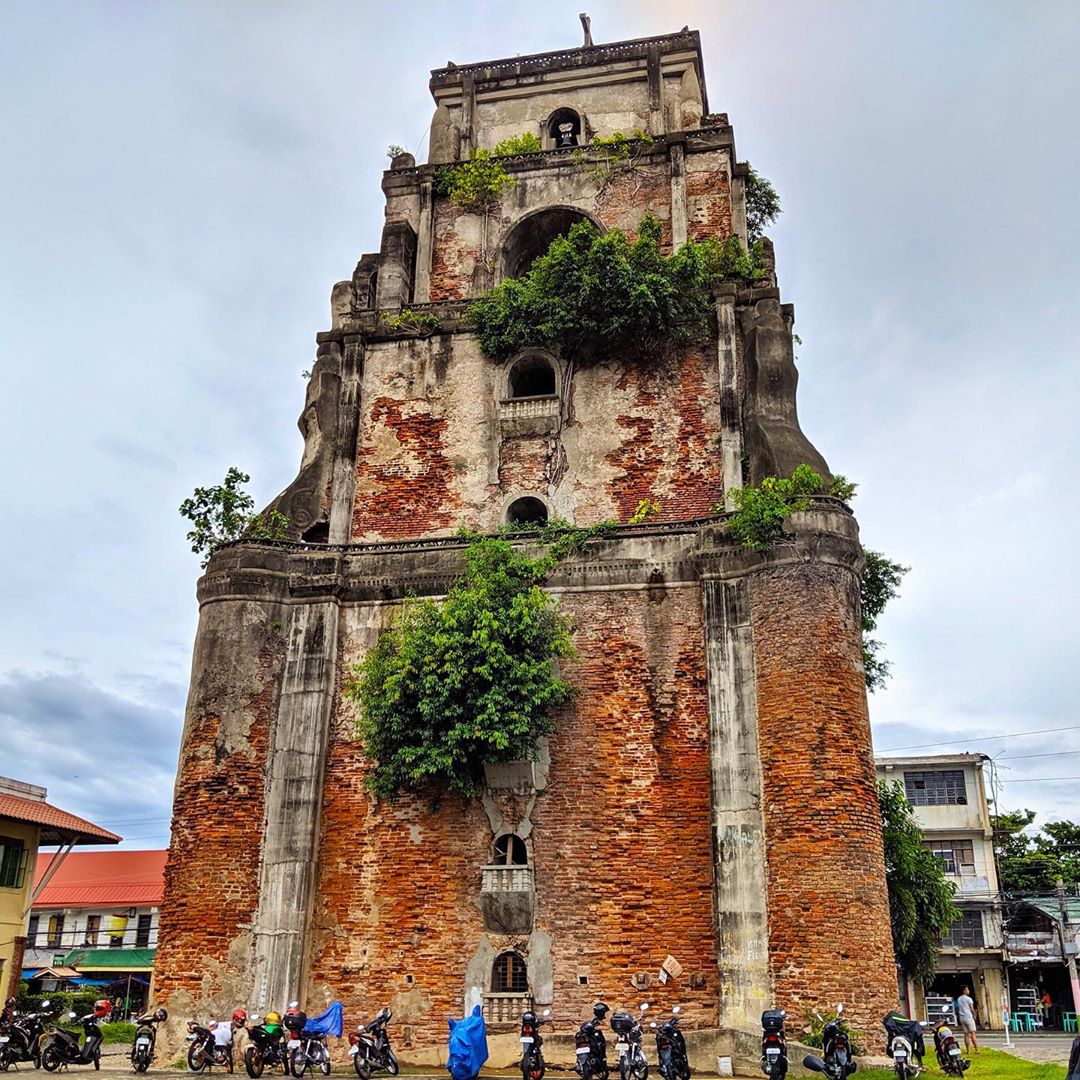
965	1015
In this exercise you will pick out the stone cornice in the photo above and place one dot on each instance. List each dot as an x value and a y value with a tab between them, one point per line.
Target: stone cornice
653	556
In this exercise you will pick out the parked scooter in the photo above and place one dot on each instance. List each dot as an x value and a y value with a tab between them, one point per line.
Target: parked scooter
838	1061
142	1049
369	1047
947	1049
21	1038
532	1054
211	1046
591	1047
61	1047
774	1059
307	1049
266	1046
904	1044
628	1036
671	1048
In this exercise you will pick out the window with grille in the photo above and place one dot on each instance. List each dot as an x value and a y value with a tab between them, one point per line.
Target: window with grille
966	932
13	854
509	975
31	930
943	787
142	932
510	851
93	928
957	856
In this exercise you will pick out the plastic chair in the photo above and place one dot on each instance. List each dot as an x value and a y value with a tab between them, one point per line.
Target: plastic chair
1015	1023
1068	1021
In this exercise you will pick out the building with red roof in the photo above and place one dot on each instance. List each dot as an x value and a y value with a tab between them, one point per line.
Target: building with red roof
28	822
98	914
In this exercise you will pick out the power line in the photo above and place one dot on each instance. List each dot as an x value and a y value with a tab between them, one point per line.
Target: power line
1006	756
981	738
1041	780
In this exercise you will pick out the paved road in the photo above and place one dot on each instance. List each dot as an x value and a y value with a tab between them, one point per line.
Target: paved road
1050	1047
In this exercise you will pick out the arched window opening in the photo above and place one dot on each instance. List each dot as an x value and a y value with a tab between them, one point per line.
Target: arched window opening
564	128
532	377
532	236
510	851
526	512
509	975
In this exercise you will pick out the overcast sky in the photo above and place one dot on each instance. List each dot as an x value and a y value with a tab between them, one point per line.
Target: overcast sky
184	182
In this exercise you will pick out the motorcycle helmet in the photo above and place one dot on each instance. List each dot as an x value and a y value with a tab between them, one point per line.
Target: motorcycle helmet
239	1018
160	1015
600	1010
102	1008
273	1018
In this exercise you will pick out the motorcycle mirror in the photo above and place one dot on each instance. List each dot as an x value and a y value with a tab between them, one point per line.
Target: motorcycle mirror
294	1004
944	1008
839	1008
644	1006
652	1023
71	1015
676	1009
45	1004
813	1063
546	1012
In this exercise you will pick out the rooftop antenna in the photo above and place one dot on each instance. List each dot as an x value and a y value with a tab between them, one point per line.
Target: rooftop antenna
586	25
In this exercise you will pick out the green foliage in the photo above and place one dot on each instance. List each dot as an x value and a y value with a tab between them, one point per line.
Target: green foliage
646	510
921	906
762	205
616	153
61	1002
455	684
120	1032
840	487
224	513
879	584
814	1028
992	1065
476	184
393	150
408	321
760	511
594	295
1032	862
528	143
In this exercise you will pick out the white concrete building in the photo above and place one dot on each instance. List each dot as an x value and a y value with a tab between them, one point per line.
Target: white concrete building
948	794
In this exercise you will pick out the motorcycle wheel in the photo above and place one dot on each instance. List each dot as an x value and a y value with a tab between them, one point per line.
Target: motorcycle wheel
195	1060
361	1065
253	1062
298	1062
639	1067
142	1063
324	1061
392	1065
532	1066
97	1061
51	1059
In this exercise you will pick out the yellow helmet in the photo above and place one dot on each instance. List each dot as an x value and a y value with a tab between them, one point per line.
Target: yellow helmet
273	1018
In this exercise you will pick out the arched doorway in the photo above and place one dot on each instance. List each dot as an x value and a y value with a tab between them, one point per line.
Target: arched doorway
532	236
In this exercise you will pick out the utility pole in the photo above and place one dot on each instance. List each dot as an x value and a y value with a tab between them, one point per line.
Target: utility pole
1070	960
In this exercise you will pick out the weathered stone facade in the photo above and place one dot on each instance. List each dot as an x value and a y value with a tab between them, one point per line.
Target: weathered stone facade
709	795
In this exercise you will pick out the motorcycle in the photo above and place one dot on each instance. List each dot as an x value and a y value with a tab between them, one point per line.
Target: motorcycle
774	1059
210	1046
628	1036
307	1049
947	1049
61	1047
369	1047
532	1054
904	1044
671	1048
266	1047
590	1047
21	1041
838	1062
142	1049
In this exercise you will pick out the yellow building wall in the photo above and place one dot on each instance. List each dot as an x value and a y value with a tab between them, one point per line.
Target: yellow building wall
15	903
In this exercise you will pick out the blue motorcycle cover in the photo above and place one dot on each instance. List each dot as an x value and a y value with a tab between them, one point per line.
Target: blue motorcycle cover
467	1046
327	1023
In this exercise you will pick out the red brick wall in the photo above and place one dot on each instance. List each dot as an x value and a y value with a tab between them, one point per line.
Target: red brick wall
211	876
621	843
828	906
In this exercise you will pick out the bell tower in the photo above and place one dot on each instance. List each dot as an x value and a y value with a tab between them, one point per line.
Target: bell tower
702	828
